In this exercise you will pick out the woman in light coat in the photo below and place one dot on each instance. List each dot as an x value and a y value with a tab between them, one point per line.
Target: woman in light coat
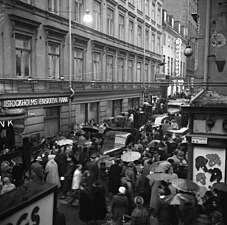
51	171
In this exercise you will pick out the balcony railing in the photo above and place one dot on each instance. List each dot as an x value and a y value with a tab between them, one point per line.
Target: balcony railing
23	86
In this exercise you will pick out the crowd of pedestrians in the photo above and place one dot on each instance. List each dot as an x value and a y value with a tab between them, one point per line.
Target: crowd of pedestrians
123	193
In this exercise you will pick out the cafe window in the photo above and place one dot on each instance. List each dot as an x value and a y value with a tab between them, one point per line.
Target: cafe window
93	112
23	55
51	122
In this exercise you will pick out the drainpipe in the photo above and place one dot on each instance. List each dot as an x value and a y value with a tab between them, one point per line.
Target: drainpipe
206	50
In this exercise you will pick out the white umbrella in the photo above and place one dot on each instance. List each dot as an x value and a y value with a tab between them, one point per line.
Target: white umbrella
130	156
65	142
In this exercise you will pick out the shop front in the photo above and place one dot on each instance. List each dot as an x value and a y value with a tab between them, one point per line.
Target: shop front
26	117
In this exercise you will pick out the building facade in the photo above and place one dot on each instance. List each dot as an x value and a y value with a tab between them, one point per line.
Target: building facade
212	46
186	13
112	68
174	43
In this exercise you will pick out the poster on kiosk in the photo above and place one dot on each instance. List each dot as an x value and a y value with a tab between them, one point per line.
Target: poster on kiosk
208	165
29	204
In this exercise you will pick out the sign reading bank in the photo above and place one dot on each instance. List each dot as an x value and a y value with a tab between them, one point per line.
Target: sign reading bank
34	102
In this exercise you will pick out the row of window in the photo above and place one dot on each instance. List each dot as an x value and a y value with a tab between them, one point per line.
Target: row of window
114	71
118	23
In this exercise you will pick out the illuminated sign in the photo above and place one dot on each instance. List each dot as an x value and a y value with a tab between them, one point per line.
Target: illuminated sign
178	56
34	102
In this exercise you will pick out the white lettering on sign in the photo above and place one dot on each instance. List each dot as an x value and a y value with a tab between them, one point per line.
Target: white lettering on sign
199	140
34	102
6	123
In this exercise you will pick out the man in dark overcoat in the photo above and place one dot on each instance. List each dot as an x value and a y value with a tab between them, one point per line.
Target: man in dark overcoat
115	177
120	206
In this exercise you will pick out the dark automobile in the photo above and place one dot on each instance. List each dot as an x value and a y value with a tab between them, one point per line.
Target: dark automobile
115	142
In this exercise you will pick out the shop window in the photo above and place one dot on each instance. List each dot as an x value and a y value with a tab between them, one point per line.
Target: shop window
52	121
23	55
93	111
117	107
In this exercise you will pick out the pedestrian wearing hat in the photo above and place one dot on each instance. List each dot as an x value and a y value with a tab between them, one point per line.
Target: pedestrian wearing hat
140	215
37	170
120	206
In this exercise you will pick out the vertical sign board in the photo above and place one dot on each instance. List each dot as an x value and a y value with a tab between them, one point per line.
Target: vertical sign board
208	165
38	211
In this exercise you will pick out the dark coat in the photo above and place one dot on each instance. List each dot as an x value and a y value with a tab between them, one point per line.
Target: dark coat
98	203
59	219
93	168
120	207
85	206
114	178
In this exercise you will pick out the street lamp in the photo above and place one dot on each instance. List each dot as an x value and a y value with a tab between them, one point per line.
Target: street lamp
87	18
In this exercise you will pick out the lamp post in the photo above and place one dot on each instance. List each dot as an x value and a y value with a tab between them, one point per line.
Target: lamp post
88	19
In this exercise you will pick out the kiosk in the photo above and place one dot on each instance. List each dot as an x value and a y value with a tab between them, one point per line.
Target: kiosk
207	139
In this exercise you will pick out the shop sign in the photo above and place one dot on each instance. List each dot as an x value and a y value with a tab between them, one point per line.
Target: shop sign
34	102
199	140
39	213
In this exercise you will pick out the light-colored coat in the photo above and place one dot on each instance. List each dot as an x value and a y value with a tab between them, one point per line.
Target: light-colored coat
52	173
76	179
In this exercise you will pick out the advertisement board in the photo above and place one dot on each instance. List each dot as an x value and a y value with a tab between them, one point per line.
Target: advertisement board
208	165
37	210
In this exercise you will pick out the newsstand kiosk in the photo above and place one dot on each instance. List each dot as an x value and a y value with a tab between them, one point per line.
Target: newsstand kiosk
207	140
32	203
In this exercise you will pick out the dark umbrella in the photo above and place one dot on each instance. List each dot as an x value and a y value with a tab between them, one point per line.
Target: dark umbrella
185	185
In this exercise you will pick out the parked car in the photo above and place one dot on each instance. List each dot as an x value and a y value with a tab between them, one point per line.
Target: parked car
115	142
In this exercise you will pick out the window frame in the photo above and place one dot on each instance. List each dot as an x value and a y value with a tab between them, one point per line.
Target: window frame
110	21
97	15
56	43
96	75
26	36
